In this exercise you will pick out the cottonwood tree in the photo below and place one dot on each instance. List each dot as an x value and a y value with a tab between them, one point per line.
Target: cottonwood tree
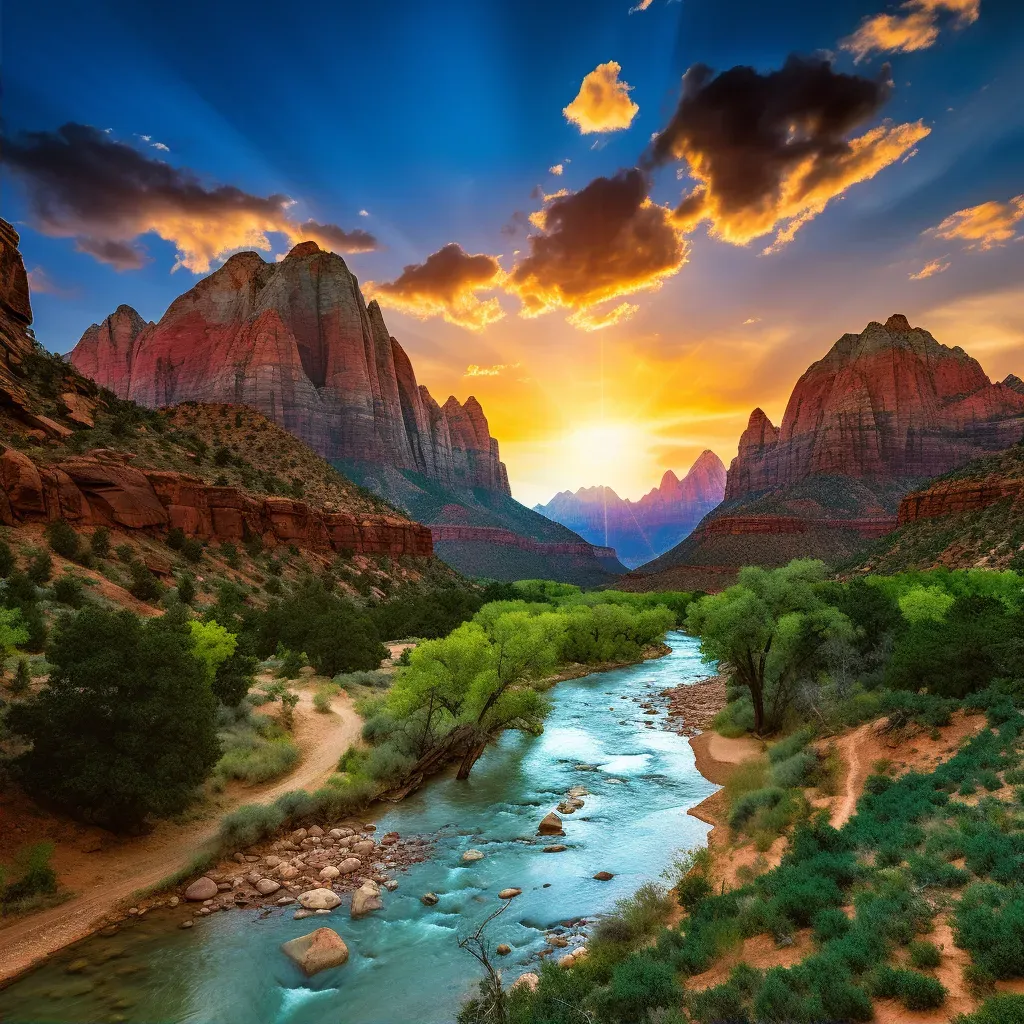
769	631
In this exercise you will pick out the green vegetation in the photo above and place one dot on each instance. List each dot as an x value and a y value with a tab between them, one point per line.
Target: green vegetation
31	882
255	749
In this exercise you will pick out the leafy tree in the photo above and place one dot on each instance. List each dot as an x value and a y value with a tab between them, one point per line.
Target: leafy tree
925	604
22	677
186	588
144	585
40	568
12	632
67	590
234	678
124	727
212	644
768	630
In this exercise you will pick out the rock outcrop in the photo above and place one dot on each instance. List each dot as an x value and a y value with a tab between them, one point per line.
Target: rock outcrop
103	488
889	403
317	951
296	341
641	530
15	318
881	411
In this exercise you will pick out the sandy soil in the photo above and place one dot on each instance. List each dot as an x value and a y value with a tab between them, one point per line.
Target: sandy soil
758	951
104	871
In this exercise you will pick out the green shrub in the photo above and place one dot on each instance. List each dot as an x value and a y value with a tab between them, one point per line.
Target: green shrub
324	695
375	679
125	552
192	550
291	663
40	568
639	984
186	588
176	538
144	585
34	877
67	589
830	923
7	560
1000	1009
249	824
63	540
989	924
262	760
916	991
692	889
99	542
749	804
22	677
924	955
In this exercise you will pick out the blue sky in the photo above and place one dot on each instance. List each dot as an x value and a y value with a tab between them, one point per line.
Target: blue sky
440	120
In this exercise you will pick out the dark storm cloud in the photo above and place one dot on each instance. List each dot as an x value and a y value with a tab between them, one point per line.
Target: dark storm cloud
86	185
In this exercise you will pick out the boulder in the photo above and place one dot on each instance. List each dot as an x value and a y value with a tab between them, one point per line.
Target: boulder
556	848
429	899
201	889
366	899
267	886
317	951
510	893
471	855
503	949
319	899
329	872
348	865
551	825
286	872
528	981
604	876
315	832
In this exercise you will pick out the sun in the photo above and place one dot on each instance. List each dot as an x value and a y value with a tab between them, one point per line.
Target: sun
603	453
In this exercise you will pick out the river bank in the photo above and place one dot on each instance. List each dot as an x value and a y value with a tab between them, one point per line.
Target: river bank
640	782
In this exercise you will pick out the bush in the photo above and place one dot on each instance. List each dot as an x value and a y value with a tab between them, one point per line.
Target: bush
34	877
7	560
186	588
291	663
692	890
324	695
924	955
377	680
254	759
176	538
250	823
67	589
915	991
639	984
750	803
989	924
144	585
63	540
22	677
99	542
40	568
1001	1009
192	550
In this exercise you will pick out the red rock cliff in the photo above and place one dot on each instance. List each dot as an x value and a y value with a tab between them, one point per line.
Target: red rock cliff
889	403
296	341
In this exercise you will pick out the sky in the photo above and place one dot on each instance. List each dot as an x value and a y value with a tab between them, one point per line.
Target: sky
620	227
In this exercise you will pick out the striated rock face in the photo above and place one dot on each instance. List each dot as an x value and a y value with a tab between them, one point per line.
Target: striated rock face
15	317
101	488
296	341
640	530
886	404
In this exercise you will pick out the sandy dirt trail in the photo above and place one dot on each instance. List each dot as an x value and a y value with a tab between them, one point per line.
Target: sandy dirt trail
111	876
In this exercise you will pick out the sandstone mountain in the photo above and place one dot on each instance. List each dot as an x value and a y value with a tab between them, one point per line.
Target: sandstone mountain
295	341
641	530
883	411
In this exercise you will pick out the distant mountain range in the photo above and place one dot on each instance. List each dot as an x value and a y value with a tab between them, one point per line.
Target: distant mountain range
296	341
882	412
642	530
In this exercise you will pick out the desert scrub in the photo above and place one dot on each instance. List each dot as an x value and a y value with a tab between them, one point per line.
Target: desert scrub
374	679
325	693
255	749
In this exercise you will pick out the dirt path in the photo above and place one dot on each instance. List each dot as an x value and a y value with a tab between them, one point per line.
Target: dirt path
853	784
104	879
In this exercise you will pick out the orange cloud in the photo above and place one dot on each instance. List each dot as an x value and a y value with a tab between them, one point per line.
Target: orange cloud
105	194
556	170
985	226
588	320
770	151
915	26
606	241
930	269
489	371
603	103
445	284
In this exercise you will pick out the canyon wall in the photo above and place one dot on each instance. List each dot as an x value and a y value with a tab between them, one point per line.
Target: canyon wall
296	341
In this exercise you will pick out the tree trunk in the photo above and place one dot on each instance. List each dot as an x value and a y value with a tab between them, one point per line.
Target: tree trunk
757	699
469	759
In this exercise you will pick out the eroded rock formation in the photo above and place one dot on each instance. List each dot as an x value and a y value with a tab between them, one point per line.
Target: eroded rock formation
296	341
103	488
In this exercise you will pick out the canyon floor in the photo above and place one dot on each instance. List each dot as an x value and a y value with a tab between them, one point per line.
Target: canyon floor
104	872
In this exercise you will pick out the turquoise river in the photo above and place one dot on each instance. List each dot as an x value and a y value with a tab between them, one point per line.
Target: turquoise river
405	964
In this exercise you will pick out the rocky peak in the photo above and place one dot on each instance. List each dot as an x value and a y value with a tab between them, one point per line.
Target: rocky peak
898	323
1014	383
296	341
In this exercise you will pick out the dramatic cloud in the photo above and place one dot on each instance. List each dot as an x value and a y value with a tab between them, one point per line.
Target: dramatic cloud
914	26
770	151
105	194
445	284
930	269
556	170
330	236
606	241
985	226
603	103
751	320
489	371
588	320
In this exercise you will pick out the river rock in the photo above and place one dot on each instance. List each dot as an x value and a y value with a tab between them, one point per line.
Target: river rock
298	835
555	848
329	872
579	791
201	889
317	951
187	924
471	855
267	886
507	894
429	899
340	833
364	847
272	861
316	831
366	899
604	876
551	825
529	981
287	871
301	915
319	899
503	949
348	865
